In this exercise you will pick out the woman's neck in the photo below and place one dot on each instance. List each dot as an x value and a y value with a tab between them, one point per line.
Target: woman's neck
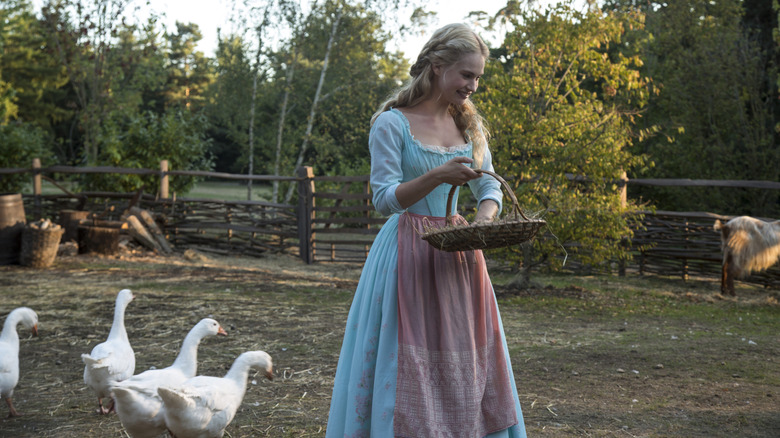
431	107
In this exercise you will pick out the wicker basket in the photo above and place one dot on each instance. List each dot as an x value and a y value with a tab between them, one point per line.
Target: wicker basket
39	246
514	228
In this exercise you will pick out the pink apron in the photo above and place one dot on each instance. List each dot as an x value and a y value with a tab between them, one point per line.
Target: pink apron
452	374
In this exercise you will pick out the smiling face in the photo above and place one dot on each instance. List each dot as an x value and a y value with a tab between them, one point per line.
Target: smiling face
457	82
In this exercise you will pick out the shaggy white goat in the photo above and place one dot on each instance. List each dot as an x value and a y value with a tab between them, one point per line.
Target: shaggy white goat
748	245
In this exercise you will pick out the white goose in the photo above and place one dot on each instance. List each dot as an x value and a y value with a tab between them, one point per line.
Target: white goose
113	360
137	403
203	406
9	352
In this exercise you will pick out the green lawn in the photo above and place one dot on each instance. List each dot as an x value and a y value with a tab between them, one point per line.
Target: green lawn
230	191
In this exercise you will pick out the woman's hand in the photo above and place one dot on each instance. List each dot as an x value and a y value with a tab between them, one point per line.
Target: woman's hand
455	173
487	211
452	172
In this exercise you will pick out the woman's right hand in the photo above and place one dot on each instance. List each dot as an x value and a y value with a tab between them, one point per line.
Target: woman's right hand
454	172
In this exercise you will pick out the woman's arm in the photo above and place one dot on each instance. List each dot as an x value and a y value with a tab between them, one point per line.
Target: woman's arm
391	195
452	172
487	190
488	210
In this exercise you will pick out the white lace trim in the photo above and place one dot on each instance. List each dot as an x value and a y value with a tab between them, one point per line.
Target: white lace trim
431	147
443	149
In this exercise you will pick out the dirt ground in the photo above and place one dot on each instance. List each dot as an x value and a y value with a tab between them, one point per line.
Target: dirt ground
592	356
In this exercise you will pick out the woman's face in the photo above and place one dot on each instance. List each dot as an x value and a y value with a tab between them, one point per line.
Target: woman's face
456	82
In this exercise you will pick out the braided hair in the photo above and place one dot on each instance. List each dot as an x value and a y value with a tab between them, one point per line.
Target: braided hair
445	48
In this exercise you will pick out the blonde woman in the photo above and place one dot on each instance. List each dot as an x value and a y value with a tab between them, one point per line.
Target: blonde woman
424	353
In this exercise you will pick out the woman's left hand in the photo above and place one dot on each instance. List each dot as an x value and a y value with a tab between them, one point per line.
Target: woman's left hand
487	211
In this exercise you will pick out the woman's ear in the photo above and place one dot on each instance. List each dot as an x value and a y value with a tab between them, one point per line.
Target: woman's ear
436	69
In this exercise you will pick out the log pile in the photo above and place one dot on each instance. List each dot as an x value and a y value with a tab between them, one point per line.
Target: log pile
143	228
102	236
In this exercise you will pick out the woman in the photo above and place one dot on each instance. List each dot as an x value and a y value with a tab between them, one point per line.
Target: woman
424	353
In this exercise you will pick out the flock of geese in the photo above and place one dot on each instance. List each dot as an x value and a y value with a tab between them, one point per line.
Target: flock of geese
148	404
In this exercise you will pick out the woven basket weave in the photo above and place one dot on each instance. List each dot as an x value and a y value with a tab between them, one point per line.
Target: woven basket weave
514	228
39	247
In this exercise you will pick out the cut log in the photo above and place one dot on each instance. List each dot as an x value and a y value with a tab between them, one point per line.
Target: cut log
99	240
155	230
121	225
141	234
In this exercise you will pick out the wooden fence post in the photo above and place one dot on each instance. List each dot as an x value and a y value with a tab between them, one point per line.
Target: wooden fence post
306	213
37	186
164	179
623	203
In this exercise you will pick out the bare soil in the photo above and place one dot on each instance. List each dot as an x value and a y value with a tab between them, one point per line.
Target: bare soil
593	356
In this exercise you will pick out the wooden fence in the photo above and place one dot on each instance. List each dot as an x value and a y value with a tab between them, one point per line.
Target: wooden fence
333	220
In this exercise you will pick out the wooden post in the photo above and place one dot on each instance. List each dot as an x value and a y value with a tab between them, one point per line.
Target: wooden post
306	213
623	190
623	203
164	179
37	188
686	232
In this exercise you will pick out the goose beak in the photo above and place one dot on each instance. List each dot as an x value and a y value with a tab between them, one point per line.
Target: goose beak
35	330
221	332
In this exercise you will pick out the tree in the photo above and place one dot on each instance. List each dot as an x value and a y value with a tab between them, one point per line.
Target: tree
228	108
717	99
189	70
359	74
29	73
141	140
83	34
342	55
562	104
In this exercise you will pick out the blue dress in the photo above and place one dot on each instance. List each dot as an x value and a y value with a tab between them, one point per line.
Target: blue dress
364	391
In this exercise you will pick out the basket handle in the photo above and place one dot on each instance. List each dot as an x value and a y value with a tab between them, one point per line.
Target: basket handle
515	204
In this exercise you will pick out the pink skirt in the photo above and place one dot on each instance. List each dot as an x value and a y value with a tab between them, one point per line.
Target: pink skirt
452	374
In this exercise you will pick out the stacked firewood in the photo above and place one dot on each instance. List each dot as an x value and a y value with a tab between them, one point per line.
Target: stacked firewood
142	226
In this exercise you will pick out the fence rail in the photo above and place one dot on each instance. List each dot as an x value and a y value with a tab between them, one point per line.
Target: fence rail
333	219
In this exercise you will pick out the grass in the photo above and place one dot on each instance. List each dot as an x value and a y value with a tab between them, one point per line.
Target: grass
224	190
230	191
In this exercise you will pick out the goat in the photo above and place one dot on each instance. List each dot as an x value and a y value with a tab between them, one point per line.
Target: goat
748	244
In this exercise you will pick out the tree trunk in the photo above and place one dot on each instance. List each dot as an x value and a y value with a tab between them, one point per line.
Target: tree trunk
255	74
313	112
280	131
251	152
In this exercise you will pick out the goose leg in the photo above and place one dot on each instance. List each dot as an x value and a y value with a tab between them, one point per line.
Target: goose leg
11	411
113	405
101	410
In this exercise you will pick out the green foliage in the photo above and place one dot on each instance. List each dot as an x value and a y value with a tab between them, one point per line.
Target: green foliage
361	73
717	106
142	141
189	71
19	144
29	74
230	104
562	104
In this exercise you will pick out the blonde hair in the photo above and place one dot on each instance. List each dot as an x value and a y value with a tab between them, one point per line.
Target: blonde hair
445	48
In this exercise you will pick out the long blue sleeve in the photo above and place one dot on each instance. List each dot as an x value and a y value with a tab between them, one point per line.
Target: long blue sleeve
487	187
385	143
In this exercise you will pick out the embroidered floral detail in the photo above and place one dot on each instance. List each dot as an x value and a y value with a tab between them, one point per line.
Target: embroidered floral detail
362	408
367	380
359	434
